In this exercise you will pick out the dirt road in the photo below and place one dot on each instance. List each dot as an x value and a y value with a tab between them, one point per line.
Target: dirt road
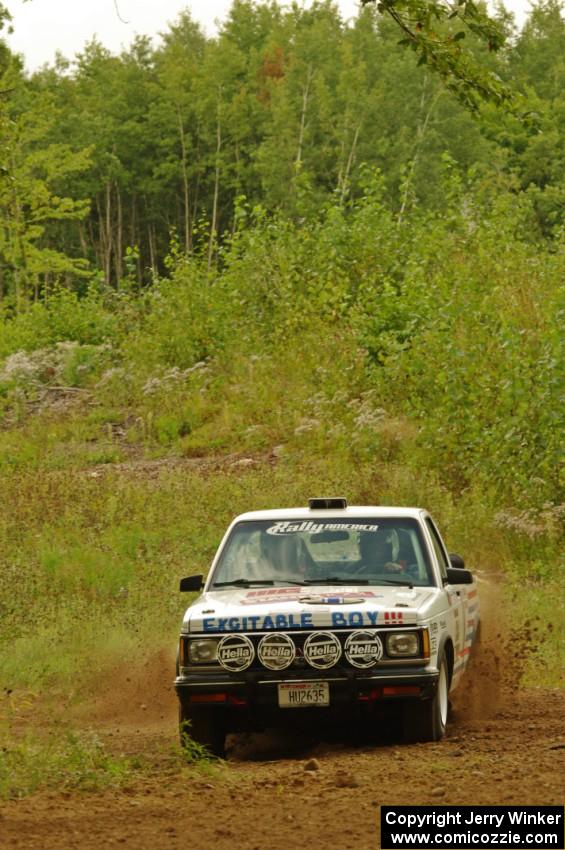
506	744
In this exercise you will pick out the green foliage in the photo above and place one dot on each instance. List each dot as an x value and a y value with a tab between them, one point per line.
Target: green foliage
184	317
34	167
64	317
450	323
427	28
284	109
470	346
195	754
70	761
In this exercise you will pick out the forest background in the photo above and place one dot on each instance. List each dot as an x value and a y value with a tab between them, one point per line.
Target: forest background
239	271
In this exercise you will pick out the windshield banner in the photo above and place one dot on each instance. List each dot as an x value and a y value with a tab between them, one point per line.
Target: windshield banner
287	527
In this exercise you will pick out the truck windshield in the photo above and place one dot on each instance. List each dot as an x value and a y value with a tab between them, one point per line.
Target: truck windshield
363	551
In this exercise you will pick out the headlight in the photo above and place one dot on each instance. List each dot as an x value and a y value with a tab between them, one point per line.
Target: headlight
203	651
402	644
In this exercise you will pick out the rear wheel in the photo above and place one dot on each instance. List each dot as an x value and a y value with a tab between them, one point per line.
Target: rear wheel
427	720
205	727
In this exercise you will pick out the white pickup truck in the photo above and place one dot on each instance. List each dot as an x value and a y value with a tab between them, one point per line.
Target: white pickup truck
334	609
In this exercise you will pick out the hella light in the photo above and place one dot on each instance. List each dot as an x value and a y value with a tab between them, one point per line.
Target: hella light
402	644
203	651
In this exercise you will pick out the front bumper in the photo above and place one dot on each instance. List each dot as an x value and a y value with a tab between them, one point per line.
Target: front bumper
256	691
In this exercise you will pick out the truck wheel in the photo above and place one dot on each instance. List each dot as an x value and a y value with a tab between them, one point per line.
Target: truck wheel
427	720
204	727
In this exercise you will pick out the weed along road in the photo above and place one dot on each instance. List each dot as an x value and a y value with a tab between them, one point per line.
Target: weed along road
505	745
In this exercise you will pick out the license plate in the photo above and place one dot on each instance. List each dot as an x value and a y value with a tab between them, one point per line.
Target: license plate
303	694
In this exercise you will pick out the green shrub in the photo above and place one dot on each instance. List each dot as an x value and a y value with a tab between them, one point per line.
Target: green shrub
64	317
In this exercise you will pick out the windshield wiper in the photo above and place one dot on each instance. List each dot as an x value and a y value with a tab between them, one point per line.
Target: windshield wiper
243	582
409	584
269	582
336	580
354	581
291	582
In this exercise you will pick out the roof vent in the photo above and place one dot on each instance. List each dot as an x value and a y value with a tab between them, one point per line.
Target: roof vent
338	503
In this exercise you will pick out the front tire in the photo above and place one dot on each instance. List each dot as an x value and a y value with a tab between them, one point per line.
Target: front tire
205	727
427	720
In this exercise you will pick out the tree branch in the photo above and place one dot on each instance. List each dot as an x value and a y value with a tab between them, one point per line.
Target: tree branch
118	13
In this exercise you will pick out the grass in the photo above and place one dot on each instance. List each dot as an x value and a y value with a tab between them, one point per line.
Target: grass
69	761
94	562
325	402
72	760
196	754
97	560
539	611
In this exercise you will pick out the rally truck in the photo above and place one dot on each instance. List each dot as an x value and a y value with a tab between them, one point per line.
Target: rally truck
325	612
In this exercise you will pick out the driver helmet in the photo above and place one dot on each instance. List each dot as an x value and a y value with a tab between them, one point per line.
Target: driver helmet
375	548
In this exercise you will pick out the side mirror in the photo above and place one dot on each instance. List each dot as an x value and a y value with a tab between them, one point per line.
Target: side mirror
456	575
457	561
191	583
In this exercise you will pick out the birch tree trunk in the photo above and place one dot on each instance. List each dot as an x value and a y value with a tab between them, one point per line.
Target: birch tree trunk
303	114
108	235
214	225
83	242
343	179
135	239
186	187
152	259
119	240
97	239
19	254
423	122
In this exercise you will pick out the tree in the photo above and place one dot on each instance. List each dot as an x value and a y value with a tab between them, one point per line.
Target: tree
172	117
435	31
30	200
535	154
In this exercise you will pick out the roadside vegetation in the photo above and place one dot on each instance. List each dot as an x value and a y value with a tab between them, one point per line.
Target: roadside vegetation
410	362
397	340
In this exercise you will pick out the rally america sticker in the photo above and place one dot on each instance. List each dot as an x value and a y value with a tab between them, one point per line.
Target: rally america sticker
276	651
235	653
287	527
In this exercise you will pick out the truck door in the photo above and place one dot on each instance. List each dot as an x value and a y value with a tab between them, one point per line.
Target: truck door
456	598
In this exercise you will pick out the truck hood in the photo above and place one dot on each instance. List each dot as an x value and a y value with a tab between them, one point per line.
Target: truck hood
283	608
